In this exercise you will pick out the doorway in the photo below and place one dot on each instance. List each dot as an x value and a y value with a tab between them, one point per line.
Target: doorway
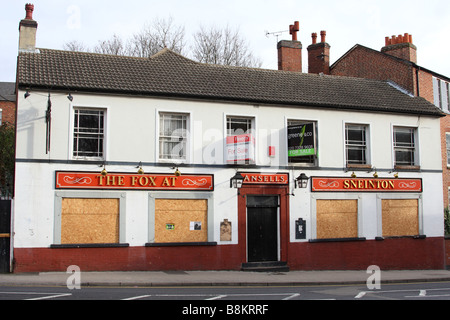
262	228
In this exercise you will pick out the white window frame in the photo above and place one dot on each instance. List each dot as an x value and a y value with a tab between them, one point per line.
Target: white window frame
368	154
253	131
1	116
447	143
72	131
416	146
315	162
336	196
397	196
189	145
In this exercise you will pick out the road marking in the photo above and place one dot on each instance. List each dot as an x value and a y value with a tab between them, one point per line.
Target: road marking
360	295
51	297
423	293
137	297
216	298
292	296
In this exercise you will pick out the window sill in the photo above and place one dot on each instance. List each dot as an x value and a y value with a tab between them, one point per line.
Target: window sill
337	240
359	166
407	168
89	245
180	244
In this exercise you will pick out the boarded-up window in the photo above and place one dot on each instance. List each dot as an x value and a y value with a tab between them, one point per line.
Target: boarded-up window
337	219
86	221
179	220
400	217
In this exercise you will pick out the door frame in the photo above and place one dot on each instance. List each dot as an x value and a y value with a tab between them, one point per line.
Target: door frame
283	217
277	226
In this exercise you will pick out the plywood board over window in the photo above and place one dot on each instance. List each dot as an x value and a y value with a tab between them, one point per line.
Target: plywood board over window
85	221
181	214
337	219
400	217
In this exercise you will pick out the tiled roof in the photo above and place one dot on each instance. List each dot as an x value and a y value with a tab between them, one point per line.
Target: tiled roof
172	75
7	91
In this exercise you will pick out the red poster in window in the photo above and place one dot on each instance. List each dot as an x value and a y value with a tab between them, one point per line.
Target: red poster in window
129	181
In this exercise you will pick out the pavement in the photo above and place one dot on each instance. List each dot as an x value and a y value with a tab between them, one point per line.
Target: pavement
221	278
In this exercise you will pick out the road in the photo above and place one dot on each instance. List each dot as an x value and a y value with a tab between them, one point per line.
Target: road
407	291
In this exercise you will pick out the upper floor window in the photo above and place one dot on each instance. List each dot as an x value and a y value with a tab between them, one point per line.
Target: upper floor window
356	144
302	142
88	135
173	135
447	138
240	142
441	93
405	146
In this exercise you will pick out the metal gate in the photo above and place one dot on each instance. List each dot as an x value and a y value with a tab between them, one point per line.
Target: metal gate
5	231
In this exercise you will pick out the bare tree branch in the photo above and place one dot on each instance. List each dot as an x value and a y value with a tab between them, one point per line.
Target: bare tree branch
223	46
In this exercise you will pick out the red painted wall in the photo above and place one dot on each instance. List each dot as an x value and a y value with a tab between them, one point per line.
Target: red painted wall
447	253
389	254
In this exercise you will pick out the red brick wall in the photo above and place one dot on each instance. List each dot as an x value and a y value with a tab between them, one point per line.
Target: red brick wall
8	111
388	254
290	56
447	253
319	58
366	63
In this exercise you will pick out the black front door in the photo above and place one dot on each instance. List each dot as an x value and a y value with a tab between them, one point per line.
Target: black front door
262	228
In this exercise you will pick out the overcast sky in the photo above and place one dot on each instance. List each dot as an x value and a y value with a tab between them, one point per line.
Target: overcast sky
347	22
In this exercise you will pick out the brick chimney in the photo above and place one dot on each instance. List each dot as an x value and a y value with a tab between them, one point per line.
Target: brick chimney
319	54
27	30
401	47
290	52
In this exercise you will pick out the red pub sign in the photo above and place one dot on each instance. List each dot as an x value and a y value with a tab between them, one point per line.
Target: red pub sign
262	178
130	181
331	184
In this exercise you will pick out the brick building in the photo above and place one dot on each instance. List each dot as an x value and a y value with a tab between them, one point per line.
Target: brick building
7	102
396	62
164	163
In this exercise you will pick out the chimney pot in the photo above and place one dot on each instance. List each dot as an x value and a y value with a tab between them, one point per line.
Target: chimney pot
29	8
293	29
314	37
323	34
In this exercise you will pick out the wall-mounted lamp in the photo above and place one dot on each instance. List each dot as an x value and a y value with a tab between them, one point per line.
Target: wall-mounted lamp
103	172
375	175
301	181
396	175
236	181
140	170
177	172
27	94
70	97
353	174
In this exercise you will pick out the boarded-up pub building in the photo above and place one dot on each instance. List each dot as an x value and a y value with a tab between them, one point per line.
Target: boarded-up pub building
164	163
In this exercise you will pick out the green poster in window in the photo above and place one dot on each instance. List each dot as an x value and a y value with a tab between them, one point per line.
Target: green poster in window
301	140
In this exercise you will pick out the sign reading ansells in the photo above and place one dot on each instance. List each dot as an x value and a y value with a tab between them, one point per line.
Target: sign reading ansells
129	181
262	178
331	184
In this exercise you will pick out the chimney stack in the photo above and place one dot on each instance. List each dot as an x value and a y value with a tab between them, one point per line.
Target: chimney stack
27	30
290	52
401	46
319	55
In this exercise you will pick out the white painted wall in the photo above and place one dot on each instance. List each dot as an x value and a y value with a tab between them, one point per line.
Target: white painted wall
131	136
